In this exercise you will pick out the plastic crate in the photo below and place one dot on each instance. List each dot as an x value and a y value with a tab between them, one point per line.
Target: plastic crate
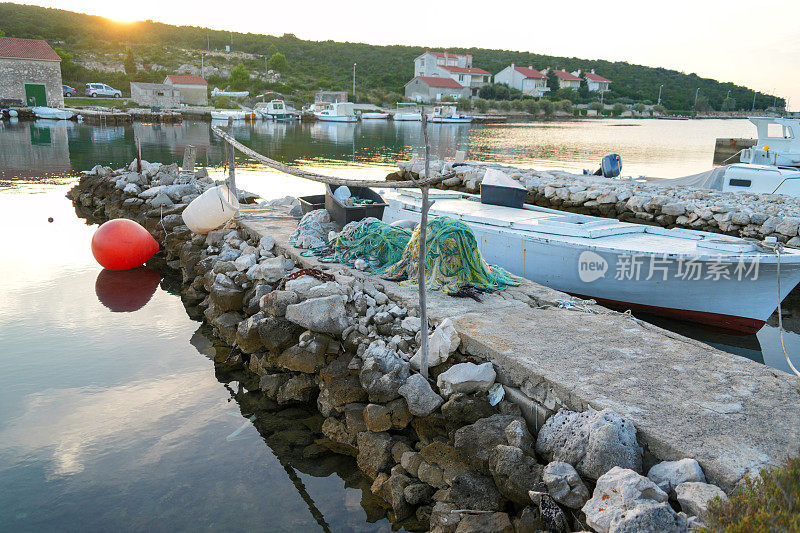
344	214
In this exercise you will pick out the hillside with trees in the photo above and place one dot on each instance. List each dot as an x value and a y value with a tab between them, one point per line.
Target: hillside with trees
99	49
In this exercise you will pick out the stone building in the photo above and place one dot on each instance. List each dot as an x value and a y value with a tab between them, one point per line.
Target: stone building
194	89
155	94
30	71
330	97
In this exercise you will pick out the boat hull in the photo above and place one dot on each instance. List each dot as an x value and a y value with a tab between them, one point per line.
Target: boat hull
336	118
440	120
407	117
725	290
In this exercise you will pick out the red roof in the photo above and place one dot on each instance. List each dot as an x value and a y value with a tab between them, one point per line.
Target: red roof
187	80
436	81
467	70
594	77
564	75
529	72
16	48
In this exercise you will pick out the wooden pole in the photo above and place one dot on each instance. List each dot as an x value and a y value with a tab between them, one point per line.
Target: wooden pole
138	156
231	162
423	237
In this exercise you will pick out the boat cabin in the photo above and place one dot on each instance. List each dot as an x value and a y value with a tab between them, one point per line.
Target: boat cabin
778	142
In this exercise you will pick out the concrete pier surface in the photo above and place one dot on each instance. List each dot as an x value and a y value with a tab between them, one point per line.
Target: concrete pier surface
685	398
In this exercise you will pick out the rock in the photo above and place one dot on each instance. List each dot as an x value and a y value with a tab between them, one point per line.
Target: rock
247	337
410	461
485	523
674	209
377	417
392	490
431	474
325	315
446	458
421	399
383	372
476	441
270	270
302	285
441	343
462	409
788	226
529	521
160	200
271	383
398	449
617	491
244	262
266	244
466	377
474	491
339	393
418	493
442	520
565	485
336	430
669	474
649	518
277	333
411	324
694	497
226	295
374	452
276	302
552	517
517	434
593	442
514	472
297	359
298	388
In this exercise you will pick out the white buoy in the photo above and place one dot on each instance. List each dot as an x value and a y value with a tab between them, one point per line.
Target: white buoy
210	210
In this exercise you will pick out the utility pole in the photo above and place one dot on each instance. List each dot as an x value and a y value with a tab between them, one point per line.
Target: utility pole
202	64
659	93
354	82
696	94
754	101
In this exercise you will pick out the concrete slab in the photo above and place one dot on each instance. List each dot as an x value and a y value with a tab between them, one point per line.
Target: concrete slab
686	399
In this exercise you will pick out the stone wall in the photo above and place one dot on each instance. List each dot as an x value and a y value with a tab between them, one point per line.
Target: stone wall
740	214
440	455
15	73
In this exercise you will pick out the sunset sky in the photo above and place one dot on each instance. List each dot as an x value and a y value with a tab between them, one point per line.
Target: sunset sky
756	44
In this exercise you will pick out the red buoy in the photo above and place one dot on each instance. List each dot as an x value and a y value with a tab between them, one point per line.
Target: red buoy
121	244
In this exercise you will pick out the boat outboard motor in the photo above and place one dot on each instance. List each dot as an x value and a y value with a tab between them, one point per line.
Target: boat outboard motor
610	166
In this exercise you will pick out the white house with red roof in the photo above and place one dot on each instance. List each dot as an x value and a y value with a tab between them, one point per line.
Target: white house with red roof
567	80
455	66
194	89
595	82
30	71
526	79
434	89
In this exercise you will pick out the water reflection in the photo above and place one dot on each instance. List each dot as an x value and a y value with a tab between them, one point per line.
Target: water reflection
125	291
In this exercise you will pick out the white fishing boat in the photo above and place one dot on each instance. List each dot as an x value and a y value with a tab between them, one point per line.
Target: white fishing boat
374	116
447	114
723	281
275	110
337	112
407	112
52	113
235	114
772	166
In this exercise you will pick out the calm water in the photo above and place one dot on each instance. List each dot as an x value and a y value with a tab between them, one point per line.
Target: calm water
117	420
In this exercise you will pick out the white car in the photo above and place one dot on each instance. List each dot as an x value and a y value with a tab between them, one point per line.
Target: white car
101	89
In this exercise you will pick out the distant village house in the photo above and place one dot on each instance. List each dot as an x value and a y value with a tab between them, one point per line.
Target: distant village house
457	67
595	82
434	89
30	71
155	94
193	89
526	79
567	80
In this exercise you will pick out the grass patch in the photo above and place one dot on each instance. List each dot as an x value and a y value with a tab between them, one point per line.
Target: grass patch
119	103
770	502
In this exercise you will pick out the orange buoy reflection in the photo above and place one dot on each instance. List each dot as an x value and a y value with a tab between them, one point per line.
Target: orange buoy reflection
125	291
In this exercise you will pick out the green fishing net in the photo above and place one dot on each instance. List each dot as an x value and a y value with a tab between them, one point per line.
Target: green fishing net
378	243
452	261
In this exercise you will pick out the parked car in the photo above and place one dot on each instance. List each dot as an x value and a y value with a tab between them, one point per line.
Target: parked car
101	89
68	91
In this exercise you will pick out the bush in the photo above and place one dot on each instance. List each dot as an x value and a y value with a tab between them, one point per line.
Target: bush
639	108
239	79
618	109
658	108
565	106
464	104
547	106
505	105
770	502
518	105
597	106
277	62
223	102
481	105
532	106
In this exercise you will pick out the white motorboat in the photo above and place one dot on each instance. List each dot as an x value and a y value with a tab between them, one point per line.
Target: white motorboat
407	112
447	114
337	112
230	94
374	116
275	110
723	281
52	113
778	142
235	114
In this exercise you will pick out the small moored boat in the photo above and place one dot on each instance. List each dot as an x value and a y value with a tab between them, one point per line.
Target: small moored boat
447	114
275	110
52	113
337	112
374	116
690	275
407	112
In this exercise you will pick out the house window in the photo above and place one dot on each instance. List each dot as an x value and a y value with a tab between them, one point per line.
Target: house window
460	77
422	62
